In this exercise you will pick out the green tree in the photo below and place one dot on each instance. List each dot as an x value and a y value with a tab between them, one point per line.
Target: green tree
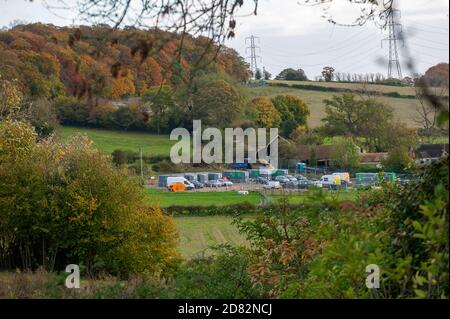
292	75
217	103
345	153
267	75
258	74
328	73
162	103
398	160
293	111
346	115
67	202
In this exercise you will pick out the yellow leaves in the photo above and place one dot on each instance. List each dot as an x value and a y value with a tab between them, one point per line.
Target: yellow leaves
123	84
268	116
10	97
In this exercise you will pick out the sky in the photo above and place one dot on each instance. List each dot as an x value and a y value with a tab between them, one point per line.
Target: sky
299	36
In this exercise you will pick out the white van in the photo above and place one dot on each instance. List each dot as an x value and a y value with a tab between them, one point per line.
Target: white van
345	178
181	180
330	181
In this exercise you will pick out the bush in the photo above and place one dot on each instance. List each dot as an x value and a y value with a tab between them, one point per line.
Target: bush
66	203
72	111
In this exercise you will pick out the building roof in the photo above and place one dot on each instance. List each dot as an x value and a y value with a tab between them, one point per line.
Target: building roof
321	152
432	150
373	157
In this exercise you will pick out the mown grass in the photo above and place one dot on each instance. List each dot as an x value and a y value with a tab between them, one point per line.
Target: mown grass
404	109
220	199
302	197
108	141
198	234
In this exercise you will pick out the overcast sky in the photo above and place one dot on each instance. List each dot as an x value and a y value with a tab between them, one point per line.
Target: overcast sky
297	36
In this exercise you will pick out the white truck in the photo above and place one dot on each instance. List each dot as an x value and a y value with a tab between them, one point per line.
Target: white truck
181	180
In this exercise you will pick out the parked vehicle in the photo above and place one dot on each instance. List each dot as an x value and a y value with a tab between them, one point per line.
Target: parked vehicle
291	185
330	181
303	184
291	178
198	185
316	182
301	178
215	184
282	179
261	180
272	185
180	180
345	178
225	183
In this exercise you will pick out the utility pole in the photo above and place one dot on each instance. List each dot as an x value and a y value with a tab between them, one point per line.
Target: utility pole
251	41
394	36
142	165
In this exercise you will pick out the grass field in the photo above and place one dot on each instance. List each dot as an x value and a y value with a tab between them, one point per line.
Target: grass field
108	141
403	90
167	199
300	198
197	234
404	109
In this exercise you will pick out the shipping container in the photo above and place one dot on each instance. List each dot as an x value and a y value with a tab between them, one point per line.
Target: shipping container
202	178
214	176
191	177
162	180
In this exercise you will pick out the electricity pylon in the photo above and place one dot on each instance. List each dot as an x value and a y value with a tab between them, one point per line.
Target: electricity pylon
253	56
394	37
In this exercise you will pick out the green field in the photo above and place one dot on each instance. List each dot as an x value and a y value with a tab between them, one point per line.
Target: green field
108	141
167	199
402	90
197	234
350	195
404	109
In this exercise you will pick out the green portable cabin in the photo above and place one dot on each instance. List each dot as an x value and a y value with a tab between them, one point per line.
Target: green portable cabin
237	176
390	177
366	178
280	172
255	173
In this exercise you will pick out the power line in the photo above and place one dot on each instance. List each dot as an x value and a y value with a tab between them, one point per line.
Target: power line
346	55
430	41
428	47
428	26
341	45
427	31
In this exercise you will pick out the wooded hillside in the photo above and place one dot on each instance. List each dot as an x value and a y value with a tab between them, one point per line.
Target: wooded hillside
97	61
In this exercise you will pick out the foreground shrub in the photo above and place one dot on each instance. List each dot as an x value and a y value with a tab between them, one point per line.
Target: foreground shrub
65	203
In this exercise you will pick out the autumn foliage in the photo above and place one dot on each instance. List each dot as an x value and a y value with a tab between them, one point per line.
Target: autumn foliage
97	61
